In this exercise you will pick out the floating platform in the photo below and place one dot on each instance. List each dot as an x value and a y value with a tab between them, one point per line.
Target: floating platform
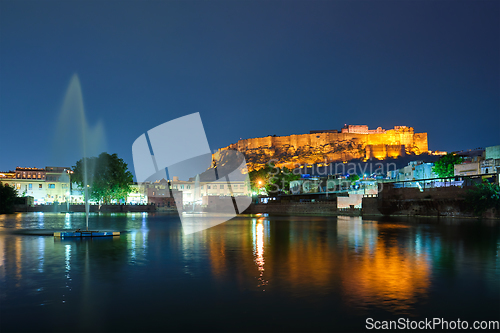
79	233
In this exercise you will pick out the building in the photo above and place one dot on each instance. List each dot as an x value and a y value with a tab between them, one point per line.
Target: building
46	186
471	165
193	191
363	129
491	163
415	170
492	152
468	168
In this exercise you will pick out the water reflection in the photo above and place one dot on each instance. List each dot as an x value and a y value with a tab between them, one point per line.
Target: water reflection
390	276
41	254
385	267
137	245
345	262
19	264
67	221
258	248
2	258
41	220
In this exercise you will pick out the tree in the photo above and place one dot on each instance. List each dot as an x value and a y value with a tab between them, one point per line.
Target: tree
444	167
8	197
353	178
280	180
259	179
271	179
107	175
483	197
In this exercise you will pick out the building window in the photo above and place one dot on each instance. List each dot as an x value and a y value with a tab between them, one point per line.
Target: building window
64	185
242	186
52	185
30	187
18	186
202	187
221	187
40	186
182	187
208	187
188	187
215	187
175	187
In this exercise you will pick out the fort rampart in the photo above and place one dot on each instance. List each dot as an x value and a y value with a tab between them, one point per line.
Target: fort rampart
329	146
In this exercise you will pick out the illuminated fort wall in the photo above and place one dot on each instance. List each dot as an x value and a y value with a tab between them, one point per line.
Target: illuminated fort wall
348	145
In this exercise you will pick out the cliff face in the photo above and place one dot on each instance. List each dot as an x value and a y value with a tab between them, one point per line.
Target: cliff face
294	150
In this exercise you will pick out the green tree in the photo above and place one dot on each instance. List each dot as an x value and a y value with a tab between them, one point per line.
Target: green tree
108	177
444	167
483	197
281	179
259	179
353	178
272	180
8	197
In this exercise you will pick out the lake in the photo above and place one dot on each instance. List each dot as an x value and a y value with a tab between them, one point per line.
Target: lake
251	274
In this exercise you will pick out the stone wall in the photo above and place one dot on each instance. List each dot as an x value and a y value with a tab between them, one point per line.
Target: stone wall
441	201
81	208
317	147
328	208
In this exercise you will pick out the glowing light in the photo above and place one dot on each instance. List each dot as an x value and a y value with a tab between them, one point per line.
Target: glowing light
259	251
258	239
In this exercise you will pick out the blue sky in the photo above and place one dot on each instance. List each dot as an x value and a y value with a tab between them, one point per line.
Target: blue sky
251	68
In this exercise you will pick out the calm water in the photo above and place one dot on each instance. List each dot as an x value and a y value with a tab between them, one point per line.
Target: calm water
272	273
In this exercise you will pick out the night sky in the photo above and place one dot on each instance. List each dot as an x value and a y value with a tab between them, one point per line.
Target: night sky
251	68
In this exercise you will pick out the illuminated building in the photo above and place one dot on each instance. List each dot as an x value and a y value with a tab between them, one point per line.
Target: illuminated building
415	170
206	193
48	185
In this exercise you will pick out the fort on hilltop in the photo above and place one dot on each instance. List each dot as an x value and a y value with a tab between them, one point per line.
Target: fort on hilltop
351	142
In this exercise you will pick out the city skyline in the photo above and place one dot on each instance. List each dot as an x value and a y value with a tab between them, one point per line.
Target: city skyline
251	69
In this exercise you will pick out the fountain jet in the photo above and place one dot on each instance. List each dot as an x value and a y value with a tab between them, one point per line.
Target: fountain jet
75	139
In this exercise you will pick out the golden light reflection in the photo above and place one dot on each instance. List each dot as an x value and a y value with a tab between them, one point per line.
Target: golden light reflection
309	261
389	276
259	250
217	254
19	219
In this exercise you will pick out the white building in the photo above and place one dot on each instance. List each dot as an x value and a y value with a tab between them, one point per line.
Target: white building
191	194
415	170
46	186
